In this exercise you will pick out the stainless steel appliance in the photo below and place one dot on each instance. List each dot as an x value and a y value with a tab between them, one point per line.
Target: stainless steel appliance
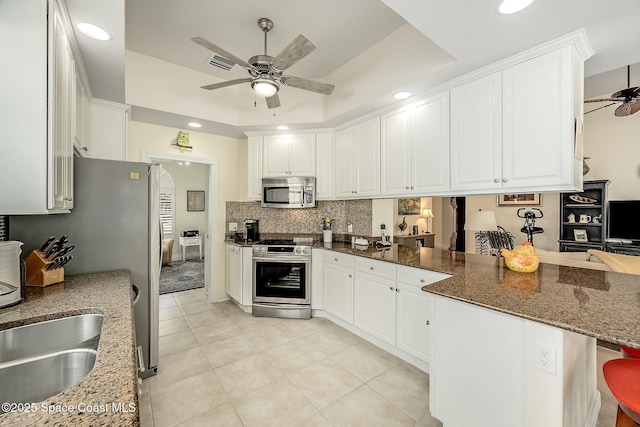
281	278
11	274
251	230
289	192
114	225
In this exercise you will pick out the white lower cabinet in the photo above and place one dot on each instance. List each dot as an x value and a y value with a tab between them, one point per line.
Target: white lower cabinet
238	274
375	299
413	320
338	285
384	302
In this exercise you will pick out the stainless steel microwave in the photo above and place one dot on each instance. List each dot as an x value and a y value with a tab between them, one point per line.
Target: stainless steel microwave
289	192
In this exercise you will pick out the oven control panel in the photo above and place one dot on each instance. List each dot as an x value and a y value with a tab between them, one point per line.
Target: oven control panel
284	250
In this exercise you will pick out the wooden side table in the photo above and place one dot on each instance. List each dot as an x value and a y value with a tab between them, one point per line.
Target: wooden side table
425	240
191	241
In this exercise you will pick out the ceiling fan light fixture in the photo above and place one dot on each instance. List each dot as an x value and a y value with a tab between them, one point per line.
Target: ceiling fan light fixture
265	87
507	7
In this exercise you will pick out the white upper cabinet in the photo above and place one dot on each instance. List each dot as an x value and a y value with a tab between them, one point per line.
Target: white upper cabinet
324	166
514	129
476	141
415	149
254	181
357	160
538	122
289	155
38	108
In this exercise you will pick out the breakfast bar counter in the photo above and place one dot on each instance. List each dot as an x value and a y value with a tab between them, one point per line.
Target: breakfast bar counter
108	395
601	304
517	349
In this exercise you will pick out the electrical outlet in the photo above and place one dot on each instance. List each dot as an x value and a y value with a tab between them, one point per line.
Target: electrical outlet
233	226
545	358
350	228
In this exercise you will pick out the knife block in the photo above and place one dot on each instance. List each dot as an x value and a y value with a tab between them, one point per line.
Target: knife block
37	275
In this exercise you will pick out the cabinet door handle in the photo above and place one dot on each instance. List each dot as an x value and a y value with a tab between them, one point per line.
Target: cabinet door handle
390	288
406	188
496	180
412	187
397	290
428	323
504	180
371	268
350	276
421	280
68	199
335	259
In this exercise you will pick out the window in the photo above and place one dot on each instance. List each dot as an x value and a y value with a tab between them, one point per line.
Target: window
167	204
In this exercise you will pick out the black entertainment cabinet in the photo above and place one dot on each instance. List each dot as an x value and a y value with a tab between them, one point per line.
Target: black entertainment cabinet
592	201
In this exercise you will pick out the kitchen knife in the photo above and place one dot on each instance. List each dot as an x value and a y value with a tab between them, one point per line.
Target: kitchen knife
63	251
46	244
64	261
52	249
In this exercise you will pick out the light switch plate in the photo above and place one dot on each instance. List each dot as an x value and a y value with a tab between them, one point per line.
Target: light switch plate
233	226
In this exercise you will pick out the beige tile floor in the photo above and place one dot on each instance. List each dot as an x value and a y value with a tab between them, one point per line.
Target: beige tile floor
219	366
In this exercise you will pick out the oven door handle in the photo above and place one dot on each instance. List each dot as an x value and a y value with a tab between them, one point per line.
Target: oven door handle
282	259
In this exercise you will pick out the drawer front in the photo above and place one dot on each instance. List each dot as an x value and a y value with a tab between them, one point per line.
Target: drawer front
382	269
419	277
191	240
337	258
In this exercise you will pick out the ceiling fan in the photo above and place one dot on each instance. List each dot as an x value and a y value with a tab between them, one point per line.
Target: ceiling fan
266	72
629	97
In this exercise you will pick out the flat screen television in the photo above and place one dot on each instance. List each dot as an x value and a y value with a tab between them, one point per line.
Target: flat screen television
624	220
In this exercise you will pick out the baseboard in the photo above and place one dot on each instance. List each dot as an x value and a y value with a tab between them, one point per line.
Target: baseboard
412	360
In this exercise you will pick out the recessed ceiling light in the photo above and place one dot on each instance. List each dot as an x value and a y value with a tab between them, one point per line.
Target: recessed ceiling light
401	95
281	127
195	125
94	32
508	7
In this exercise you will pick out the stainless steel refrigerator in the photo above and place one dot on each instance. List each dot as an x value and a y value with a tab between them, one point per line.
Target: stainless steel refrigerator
114	226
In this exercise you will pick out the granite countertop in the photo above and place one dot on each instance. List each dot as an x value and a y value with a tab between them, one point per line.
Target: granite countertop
600	304
113	378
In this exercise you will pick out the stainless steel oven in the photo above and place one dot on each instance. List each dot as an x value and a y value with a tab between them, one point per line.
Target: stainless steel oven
281	279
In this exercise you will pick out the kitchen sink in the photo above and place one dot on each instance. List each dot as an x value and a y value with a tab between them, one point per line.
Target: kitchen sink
37	378
74	332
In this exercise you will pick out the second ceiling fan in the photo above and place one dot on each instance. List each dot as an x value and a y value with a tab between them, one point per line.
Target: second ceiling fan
630	98
266	73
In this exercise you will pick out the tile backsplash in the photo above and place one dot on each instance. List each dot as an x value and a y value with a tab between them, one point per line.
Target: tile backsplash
344	212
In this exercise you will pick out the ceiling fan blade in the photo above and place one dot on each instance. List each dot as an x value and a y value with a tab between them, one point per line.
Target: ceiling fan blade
297	49
273	101
627	109
217	49
225	84
306	84
632	92
602	100
600	108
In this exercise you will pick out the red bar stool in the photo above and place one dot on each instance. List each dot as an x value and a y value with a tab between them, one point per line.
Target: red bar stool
623	378
630	352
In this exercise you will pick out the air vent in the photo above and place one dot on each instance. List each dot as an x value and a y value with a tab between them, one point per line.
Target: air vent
220	62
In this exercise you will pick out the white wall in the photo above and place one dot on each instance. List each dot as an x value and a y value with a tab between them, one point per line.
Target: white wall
232	157
614	147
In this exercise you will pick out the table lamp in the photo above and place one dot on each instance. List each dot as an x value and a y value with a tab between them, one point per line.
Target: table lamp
427	215
481	221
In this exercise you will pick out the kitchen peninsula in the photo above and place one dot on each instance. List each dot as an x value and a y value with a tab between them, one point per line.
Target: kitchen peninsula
489	323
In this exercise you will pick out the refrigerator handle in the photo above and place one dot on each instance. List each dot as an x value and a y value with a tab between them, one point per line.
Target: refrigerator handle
141	365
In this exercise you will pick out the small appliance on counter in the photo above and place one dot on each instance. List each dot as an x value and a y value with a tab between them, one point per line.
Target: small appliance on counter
11	278
252	230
